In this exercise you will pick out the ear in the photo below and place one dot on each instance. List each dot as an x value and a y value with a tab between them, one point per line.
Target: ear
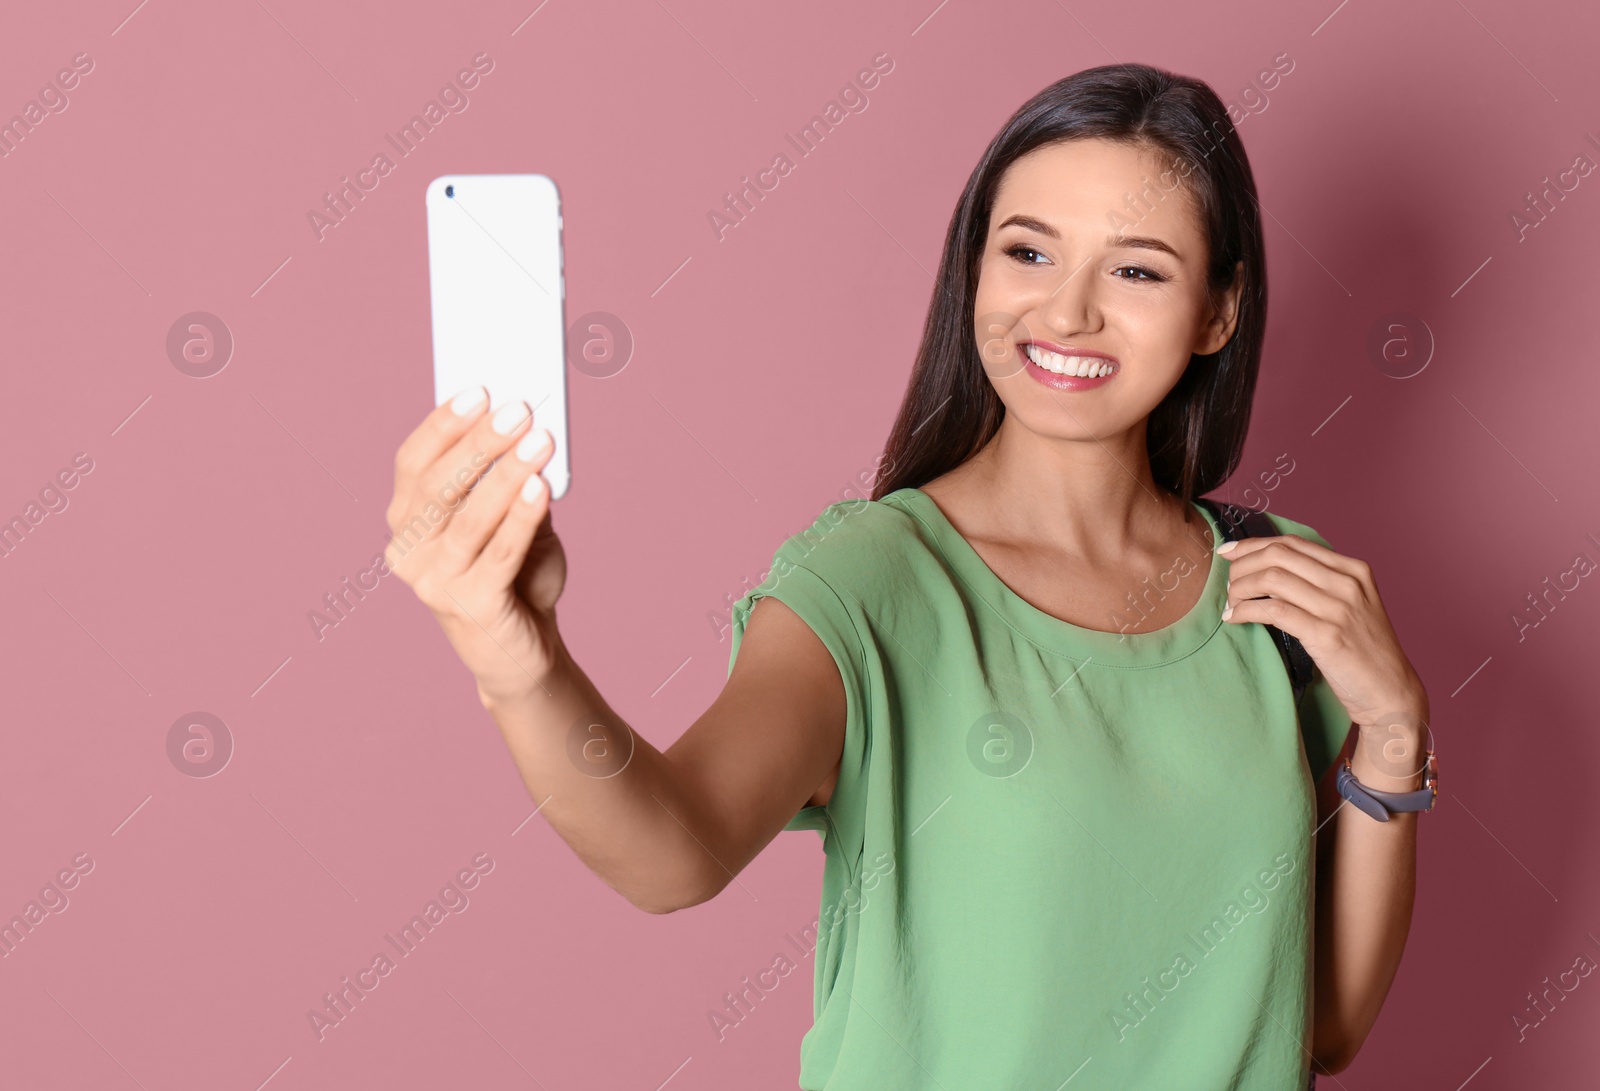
1222	317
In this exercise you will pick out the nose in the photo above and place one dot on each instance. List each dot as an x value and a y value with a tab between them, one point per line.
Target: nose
1073	304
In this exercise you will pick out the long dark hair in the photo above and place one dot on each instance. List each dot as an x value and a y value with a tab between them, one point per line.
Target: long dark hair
1195	437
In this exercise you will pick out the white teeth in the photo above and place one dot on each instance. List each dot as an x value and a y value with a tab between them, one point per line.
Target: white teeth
1084	367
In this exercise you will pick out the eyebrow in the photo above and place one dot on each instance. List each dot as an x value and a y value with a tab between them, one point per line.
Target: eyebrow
1132	242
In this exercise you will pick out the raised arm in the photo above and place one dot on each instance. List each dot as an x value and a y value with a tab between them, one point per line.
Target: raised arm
670	830
472	535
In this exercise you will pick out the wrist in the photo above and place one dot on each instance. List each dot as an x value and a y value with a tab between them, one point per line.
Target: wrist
527	686
1393	756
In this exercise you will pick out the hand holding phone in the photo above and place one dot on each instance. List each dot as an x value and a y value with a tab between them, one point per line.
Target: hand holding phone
470	532
470	519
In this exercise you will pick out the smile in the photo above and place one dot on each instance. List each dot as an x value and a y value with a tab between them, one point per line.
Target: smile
1066	372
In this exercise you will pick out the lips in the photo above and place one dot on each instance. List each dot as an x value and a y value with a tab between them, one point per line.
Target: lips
1079	363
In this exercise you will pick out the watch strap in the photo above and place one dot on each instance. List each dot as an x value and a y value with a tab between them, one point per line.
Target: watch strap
1380	805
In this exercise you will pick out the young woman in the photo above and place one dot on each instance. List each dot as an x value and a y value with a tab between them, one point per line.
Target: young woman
1077	828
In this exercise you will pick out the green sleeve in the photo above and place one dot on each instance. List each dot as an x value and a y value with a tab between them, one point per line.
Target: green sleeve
833	615
1324	723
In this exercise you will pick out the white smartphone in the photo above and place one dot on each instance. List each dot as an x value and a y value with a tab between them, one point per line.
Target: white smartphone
498	293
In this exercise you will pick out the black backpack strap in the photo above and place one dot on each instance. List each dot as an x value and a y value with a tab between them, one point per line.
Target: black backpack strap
1239	522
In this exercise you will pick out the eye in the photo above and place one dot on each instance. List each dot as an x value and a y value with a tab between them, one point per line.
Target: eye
1147	275
1026	254
1019	249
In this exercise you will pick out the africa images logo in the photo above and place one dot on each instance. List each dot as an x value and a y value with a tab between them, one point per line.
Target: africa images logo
1139	1006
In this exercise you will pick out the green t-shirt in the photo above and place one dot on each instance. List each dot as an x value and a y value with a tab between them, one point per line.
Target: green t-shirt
1052	852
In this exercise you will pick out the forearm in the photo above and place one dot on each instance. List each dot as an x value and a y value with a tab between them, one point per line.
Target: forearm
1366	884
608	793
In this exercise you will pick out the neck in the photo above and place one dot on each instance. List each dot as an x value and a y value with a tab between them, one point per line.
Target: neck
1095	497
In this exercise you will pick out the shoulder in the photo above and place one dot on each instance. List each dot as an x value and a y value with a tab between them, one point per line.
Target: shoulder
1286	525
857	542
839	571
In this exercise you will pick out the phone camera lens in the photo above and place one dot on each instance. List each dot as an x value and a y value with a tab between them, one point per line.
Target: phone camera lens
449	191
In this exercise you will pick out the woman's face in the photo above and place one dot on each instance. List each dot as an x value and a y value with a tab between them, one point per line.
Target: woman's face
1073	268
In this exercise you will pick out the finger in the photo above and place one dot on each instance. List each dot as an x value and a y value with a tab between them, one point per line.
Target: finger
1284	586
1281	553
454	473
439	430
472	527
1303	623
1244	547
502	556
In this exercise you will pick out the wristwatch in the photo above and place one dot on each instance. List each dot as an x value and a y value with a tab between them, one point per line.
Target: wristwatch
1380	805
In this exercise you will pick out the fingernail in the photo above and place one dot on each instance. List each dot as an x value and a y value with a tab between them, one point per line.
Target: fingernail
468	400
1225	546
1227	612
533	444
531	487
508	417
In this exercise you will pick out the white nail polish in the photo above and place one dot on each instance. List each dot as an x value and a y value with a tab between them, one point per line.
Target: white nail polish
468	400
507	417
533	444
530	488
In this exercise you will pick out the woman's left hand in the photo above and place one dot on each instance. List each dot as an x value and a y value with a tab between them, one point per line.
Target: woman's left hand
1330	603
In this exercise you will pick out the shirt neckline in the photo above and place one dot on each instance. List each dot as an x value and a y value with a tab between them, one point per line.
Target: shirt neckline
1051	634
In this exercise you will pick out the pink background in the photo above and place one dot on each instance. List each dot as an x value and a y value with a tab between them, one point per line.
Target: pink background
766	373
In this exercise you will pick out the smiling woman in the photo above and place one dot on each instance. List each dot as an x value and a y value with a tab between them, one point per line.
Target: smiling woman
927	677
1085	374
